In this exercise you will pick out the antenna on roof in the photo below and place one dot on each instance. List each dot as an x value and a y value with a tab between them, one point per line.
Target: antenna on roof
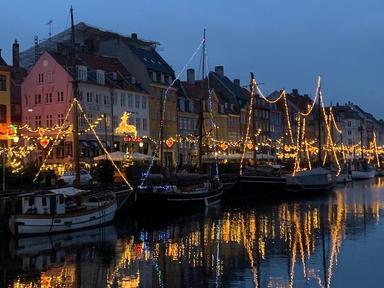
50	29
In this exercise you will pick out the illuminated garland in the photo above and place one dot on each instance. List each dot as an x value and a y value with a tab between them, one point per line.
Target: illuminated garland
101	144
163	111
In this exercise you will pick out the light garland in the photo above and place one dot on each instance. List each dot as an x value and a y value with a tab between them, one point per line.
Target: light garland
56	141
250	113
102	145
144	178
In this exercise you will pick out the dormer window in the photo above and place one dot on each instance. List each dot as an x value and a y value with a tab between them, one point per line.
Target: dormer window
100	77
114	76
226	105
82	73
162	78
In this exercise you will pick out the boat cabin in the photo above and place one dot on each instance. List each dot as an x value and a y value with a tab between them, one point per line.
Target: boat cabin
54	201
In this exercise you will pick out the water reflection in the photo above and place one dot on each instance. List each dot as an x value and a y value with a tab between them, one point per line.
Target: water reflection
290	244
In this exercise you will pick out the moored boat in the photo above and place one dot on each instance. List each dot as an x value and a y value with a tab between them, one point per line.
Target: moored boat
363	171
315	180
62	210
191	191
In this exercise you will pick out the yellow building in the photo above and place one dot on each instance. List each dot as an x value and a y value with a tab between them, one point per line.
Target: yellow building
5	100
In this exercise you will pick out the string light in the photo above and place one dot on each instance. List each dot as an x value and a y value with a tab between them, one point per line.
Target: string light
102	145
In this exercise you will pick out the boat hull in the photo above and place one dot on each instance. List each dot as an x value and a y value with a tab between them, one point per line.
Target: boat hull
362	175
38	224
178	200
313	181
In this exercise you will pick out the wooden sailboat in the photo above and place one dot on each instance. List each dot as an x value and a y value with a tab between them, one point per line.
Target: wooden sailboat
185	190
318	179
256	181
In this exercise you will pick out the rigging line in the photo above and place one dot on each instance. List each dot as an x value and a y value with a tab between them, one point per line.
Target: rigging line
144	178
54	143
212	119
250	112
101	144
314	100
265	98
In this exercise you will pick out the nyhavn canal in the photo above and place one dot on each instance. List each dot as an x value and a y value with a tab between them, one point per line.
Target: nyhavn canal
334	240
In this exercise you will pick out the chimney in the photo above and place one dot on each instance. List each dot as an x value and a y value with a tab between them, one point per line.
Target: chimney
295	92
236	82
220	70
191	76
15	54
134	36
0	52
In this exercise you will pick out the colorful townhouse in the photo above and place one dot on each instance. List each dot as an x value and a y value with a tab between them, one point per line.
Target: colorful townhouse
5	101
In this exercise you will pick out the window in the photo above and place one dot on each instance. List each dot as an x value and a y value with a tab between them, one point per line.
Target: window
89	97
97	98
49	98
130	100
137	101
131	120
144	102
349	132
115	120
145	124
50	77
114	98
44	201
41	78
60	119
3	83
100	77
105	99
37	121
39	99
49	121
82	73
138	123
349	124
60	96
122	100
3	113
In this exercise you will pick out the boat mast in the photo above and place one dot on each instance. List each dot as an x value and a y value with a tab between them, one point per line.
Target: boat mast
201	115
75	122
252	111
319	123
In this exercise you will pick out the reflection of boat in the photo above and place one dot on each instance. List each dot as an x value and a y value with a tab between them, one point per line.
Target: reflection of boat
363	171
40	244
189	190
62	210
315	180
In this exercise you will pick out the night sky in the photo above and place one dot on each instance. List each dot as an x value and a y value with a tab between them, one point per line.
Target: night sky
287	43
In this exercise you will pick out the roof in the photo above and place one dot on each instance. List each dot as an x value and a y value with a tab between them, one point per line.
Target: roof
152	60
2	62
226	85
108	64
83	32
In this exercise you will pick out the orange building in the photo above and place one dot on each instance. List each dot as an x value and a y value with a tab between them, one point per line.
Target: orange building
5	100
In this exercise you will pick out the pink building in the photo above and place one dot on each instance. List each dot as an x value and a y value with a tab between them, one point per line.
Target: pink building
46	98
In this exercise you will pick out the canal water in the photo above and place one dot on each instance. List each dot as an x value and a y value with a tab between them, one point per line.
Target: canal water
335	240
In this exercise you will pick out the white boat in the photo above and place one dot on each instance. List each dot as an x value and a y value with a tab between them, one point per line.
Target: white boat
62	210
315	180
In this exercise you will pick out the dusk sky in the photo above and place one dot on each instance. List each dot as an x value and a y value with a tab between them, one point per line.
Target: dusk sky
286	43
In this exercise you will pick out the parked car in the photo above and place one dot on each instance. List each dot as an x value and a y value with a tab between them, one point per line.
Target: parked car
69	177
